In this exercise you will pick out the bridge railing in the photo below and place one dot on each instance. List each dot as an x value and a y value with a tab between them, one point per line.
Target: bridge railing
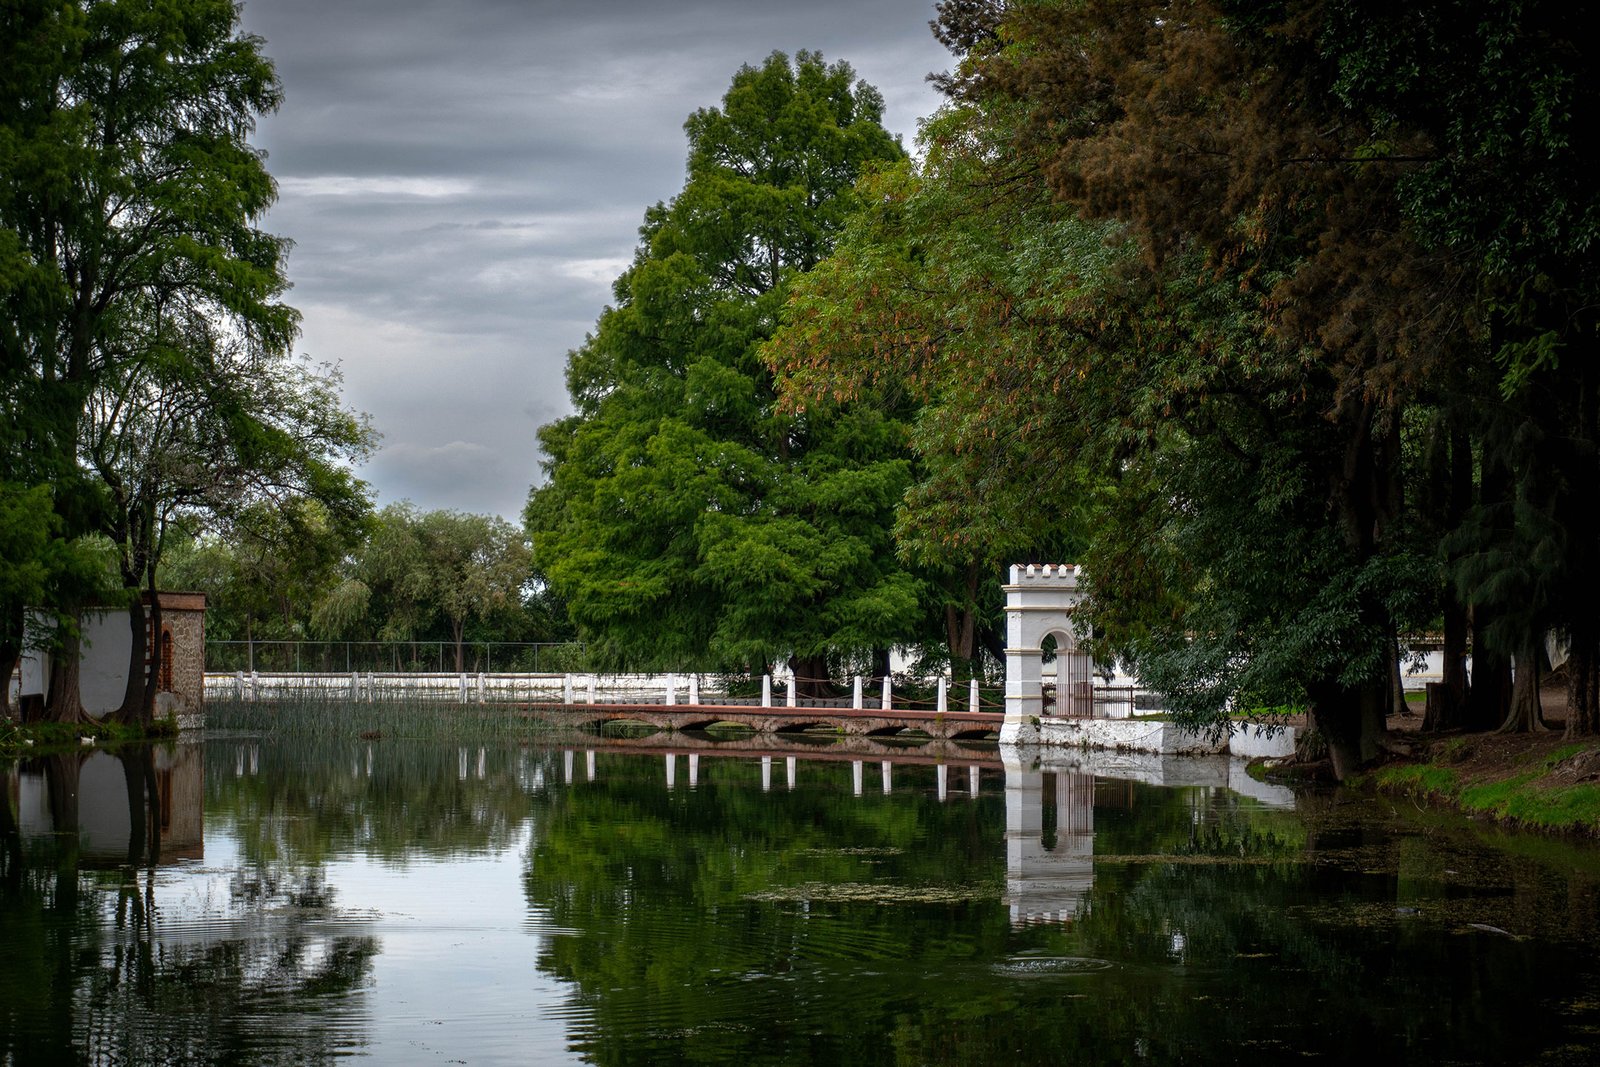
936	695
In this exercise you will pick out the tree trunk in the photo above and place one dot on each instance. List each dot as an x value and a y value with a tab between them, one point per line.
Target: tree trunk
1489	697
9	654
1397	683
1351	720
63	700
138	665
811	677
1524	714
880	663
1583	685
152	676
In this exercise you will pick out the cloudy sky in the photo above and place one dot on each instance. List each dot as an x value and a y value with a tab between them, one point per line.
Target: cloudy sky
463	179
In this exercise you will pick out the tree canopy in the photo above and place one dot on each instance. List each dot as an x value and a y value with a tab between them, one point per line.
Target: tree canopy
686	520
145	338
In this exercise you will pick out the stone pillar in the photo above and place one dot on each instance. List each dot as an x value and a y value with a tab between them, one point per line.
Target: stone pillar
791	698
694	689
887	704
766	690
566	689
974	699
672	690
855	699
944	696
591	689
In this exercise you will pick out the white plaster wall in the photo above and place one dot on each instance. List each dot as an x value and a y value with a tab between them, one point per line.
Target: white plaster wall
104	673
1253	739
106	644
1137	735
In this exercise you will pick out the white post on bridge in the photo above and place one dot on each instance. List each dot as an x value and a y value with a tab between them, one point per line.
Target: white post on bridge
672	690
566	689
461	681
855	699
355	686
694	689
973	702
483	689
766	690
887	704
591	689
238	685
944	695
791	700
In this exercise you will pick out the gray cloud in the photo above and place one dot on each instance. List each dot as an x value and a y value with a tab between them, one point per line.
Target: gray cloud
463	181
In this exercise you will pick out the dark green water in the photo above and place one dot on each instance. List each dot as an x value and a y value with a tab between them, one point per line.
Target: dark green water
247	901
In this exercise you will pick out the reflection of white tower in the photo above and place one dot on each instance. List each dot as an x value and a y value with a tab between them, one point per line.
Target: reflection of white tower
1039	603
1049	861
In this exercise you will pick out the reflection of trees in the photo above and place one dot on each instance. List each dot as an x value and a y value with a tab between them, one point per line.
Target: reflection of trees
92	975
1226	929
307	799
653	892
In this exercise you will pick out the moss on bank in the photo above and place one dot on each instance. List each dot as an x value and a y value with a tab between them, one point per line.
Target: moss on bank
1541	788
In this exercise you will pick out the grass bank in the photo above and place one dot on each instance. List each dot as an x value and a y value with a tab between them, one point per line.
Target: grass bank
1533	781
425	720
35	738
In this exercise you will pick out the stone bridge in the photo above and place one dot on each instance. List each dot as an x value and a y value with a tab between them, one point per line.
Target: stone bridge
849	722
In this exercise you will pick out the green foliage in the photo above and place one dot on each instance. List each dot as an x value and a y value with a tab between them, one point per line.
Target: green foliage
686	520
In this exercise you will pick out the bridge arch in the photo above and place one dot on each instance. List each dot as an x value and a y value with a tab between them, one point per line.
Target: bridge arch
1040	599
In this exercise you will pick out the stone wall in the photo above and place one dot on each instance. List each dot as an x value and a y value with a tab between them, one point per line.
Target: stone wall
184	614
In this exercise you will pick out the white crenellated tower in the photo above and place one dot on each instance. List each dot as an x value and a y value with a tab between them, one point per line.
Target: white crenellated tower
1039	603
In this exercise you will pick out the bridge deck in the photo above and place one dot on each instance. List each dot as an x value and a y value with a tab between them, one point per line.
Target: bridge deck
776	720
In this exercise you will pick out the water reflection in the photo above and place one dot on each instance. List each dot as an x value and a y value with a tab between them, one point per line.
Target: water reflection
678	900
106	964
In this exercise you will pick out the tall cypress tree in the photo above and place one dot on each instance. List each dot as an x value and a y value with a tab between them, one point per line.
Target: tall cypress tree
687	520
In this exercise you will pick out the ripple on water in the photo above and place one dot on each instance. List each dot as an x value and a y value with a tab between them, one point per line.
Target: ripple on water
1050	966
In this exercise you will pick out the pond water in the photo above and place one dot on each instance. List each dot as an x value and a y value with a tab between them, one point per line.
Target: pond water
249	901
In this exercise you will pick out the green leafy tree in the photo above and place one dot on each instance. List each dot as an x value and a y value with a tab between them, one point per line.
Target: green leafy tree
419	567
687	521
127	182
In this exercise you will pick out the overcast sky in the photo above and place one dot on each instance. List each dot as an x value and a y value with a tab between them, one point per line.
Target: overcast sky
464	179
